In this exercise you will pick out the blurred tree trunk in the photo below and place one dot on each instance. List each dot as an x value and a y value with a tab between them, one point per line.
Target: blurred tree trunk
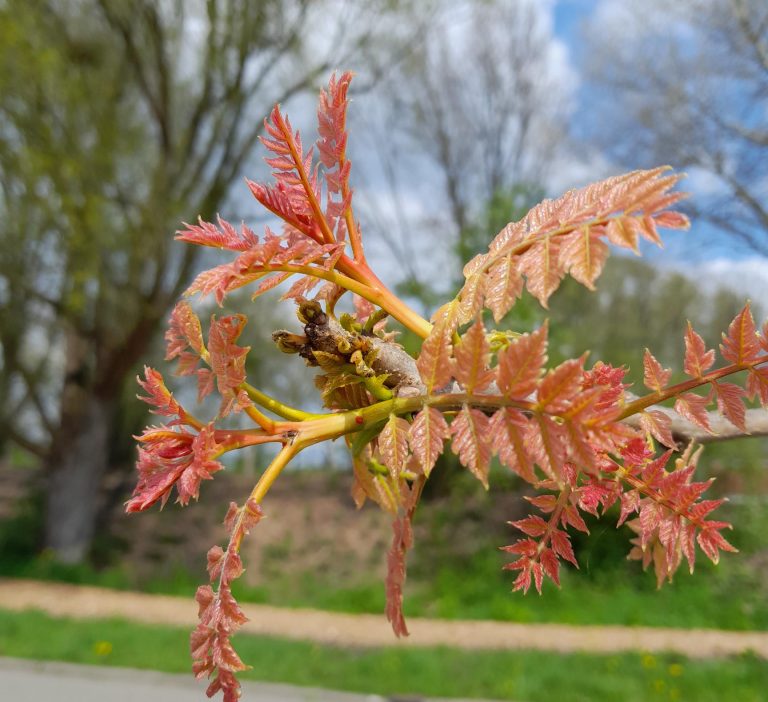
75	466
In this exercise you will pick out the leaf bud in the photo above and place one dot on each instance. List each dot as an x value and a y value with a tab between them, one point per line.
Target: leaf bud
288	342
310	311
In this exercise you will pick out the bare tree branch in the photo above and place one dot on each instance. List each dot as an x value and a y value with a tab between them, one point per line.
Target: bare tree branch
39	450
690	88
685	431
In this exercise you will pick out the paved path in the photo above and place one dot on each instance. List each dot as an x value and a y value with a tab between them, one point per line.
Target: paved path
370	630
35	681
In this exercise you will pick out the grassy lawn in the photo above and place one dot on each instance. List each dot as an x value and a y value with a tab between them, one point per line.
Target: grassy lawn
728	596
521	675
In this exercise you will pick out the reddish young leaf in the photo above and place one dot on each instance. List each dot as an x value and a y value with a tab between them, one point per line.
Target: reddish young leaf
523	547
646	227
572	516
712	541
542	268
741	345
378	488
523	580
764	336
650	518
503	285
227	358
583	255
688	544
659	426
655	376
757	384
362	482
560	386
508	435
694	408
546	442
225	566
159	468
588	406
427	435
672	220
550	565
240	520
393	445
545	503
206	381
471	442
561	544
521	363
202	466
730	402
531	526
225	236
697	359
331	119
619	233
184	331
554	235
434	361
402	540
173	458
471	298
579	446
471	360
630	503
158	396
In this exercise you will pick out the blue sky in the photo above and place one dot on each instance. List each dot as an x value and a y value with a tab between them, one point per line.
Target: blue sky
568	14
703	243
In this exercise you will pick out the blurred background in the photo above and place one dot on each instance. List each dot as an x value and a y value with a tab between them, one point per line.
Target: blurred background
119	119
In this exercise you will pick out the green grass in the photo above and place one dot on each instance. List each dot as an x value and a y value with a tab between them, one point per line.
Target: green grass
521	675
729	596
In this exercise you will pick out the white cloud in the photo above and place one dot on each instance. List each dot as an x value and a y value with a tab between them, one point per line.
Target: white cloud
705	183
747	277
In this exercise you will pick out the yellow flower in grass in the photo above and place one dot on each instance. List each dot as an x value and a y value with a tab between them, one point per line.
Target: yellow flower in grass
102	648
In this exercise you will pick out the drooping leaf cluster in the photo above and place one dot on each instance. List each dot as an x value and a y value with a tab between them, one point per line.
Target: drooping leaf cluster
572	431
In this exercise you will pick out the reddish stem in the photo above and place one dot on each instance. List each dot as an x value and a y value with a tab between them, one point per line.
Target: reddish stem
641	403
317	211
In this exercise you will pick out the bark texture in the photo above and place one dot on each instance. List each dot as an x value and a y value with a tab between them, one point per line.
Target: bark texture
75	470
78	455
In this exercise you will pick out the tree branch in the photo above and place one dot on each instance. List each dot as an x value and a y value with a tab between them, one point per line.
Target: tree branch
26	443
134	55
34	396
323	335
722	430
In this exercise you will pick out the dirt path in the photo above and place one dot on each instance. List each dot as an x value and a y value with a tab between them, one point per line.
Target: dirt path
370	630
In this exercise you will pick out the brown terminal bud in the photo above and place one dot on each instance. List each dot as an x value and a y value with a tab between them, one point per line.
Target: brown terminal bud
309	311
288	342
